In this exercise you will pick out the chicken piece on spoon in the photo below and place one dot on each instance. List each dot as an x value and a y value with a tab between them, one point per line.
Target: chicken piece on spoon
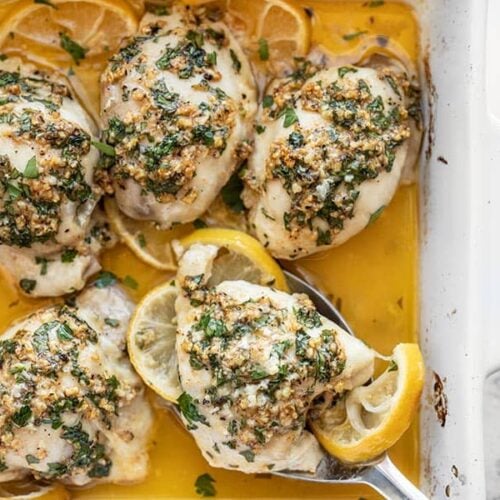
330	156
71	407
47	187
178	102
251	361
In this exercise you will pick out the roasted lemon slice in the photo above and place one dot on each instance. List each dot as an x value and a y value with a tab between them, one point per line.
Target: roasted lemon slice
151	341
276	30
150	244
370	419
68	31
27	490
244	257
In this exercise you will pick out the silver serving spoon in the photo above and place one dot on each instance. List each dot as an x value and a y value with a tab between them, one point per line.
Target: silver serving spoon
381	474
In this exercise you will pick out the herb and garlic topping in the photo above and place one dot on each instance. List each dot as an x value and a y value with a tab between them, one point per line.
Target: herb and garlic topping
330	155
47	183
251	361
178	101
71	407
46	161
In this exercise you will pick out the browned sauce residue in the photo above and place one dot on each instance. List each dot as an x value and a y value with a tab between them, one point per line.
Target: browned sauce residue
440	400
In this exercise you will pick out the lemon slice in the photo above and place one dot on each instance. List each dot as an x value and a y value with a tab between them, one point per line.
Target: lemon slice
244	257
151	341
282	26
24	490
96	26
150	244
370	419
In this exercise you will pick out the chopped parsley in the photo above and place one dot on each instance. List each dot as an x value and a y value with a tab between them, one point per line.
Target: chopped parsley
31	169
393	366
263	49
352	36
346	69
130	282
104	148
189	410
236	61
22	416
290	117
76	51
105	279
27	285
267	101
248	454
204	485
375	215
68	255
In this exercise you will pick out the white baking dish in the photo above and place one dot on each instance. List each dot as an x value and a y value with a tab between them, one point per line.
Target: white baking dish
460	242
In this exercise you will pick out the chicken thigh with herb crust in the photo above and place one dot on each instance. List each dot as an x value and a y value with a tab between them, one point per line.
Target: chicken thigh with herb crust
47	188
251	361
71	407
178	102
329	158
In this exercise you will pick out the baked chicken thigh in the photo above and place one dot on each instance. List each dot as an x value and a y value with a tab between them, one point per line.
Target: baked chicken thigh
71	407
329	158
251	361
48	240
178	102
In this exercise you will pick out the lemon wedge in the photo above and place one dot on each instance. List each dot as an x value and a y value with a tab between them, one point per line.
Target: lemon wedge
245	257
370	419
275	30
151	341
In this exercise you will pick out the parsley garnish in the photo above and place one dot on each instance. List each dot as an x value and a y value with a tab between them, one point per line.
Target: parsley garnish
104	279
189	410
248	454
263	49
267	101
375	215
31	170
236	61
130	282
69	255
105	149
393	366
346	69
204	485
22	416
27	285
352	36
290	117
76	51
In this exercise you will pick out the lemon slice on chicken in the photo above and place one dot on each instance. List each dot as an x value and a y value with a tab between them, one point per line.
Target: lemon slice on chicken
370	419
241	257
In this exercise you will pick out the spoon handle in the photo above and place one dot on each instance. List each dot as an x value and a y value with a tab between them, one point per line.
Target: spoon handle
388	480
